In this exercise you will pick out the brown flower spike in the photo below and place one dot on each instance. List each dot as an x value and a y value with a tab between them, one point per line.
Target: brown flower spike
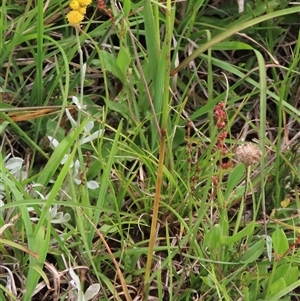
248	154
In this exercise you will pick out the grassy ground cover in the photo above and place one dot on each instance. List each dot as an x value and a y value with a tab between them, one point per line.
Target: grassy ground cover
149	150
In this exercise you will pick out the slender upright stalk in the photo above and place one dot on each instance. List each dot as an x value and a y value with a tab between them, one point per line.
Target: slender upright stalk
248	168
155	213
165	56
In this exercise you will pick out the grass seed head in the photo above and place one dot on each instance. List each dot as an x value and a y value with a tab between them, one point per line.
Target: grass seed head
248	153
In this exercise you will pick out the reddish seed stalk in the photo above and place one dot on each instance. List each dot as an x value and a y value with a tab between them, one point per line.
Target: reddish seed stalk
102	6
221	122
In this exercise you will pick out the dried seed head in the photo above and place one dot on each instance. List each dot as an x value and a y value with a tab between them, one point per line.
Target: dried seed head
248	153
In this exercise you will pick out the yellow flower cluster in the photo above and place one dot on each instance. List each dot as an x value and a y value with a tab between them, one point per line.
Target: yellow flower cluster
78	10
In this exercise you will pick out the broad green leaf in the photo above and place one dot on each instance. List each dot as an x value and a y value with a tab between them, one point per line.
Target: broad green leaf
123	60
276	287
280	272
254	252
234	178
212	238
292	275
288	273
110	64
119	107
126	7
280	242
285	291
53	128
238	236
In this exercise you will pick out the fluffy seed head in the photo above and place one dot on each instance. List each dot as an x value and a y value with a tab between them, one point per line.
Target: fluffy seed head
248	153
